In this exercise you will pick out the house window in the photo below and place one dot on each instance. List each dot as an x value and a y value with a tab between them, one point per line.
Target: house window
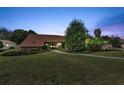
58	45
46	44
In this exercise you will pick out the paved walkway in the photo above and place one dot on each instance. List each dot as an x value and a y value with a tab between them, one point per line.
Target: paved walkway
90	55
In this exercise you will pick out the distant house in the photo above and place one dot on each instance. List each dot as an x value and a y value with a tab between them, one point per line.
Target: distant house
35	42
107	47
122	43
8	44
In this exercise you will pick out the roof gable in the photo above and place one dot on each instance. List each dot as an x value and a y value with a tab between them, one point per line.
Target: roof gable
8	42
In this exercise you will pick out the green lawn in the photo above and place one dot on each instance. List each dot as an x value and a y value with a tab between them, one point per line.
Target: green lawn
110	53
55	68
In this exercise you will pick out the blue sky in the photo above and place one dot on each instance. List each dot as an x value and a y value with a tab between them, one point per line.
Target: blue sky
55	20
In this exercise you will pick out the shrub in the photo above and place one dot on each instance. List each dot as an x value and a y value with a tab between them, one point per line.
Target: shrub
1	44
19	53
96	44
115	41
45	47
12	53
1	50
87	52
12	47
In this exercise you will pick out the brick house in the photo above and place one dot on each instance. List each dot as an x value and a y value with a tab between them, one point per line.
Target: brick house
36	41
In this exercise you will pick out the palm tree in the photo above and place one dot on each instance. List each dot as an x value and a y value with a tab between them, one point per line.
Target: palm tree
97	32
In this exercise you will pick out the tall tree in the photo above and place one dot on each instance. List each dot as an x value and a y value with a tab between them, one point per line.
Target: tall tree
75	36
32	32
4	33
97	32
19	35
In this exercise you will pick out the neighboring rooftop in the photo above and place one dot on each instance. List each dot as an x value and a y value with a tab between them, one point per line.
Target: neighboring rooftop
7	42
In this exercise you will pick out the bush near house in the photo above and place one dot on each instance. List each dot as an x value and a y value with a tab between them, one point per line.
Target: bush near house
95	44
45	47
20	53
115	41
1	45
1	50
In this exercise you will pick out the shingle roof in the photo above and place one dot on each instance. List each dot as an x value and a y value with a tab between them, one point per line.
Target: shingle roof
38	40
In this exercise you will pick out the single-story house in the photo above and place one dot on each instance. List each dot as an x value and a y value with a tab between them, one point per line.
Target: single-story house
8	44
36	41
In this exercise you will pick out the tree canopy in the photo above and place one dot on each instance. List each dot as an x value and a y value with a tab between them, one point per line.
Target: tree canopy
17	35
75	36
4	33
115	41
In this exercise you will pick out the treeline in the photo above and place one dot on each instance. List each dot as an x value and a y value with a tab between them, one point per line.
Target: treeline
17	35
113	40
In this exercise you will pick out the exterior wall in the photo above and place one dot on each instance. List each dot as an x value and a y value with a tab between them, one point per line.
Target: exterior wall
29	49
107	47
122	45
38	48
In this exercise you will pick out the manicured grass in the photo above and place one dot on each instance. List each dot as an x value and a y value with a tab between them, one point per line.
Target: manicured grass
55	68
110	53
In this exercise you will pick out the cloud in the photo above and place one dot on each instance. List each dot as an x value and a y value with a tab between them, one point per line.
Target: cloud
113	25
117	29
118	19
